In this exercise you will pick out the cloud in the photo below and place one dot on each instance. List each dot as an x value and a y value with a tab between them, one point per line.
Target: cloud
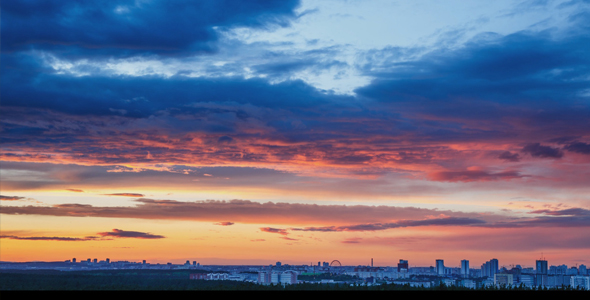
537	150
46	238
399	224
509	156
578	147
224	223
564	212
245	211
118	233
274	230
125	195
75	190
352	241
473	175
132	27
11	198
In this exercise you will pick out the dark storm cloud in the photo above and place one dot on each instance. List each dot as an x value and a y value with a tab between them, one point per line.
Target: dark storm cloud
132	27
538	150
118	233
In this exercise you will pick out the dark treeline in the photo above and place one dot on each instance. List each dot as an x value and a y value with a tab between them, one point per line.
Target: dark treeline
171	280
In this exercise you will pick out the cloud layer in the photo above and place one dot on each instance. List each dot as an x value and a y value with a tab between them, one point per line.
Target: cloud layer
133	98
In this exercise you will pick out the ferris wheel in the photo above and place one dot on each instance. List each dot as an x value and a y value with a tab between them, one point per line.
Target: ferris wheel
335	263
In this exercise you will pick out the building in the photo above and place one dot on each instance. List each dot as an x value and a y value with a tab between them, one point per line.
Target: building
288	277
440	267
465	268
493	266
217	276
402	265
528	280
503	279
489	268
583	270
264	277
542	267
468	283
580	282
198	276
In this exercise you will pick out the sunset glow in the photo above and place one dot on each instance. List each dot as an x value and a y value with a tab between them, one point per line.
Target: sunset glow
251	132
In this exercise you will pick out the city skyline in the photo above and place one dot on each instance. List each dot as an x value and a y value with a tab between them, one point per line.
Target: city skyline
243	132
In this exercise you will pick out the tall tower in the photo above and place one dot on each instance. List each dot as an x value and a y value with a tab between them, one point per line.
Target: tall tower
465	268
541	266
493	266
541	276
440	267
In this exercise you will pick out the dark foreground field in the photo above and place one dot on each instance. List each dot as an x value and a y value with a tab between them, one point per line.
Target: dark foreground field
42	280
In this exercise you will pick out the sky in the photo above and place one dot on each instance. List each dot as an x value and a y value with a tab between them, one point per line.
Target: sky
251	132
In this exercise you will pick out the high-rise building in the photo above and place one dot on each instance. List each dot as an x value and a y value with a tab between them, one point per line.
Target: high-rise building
440	267
489	268
465	268
73	260
108	260
583	270
493	266
402	265
541	273
542	266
